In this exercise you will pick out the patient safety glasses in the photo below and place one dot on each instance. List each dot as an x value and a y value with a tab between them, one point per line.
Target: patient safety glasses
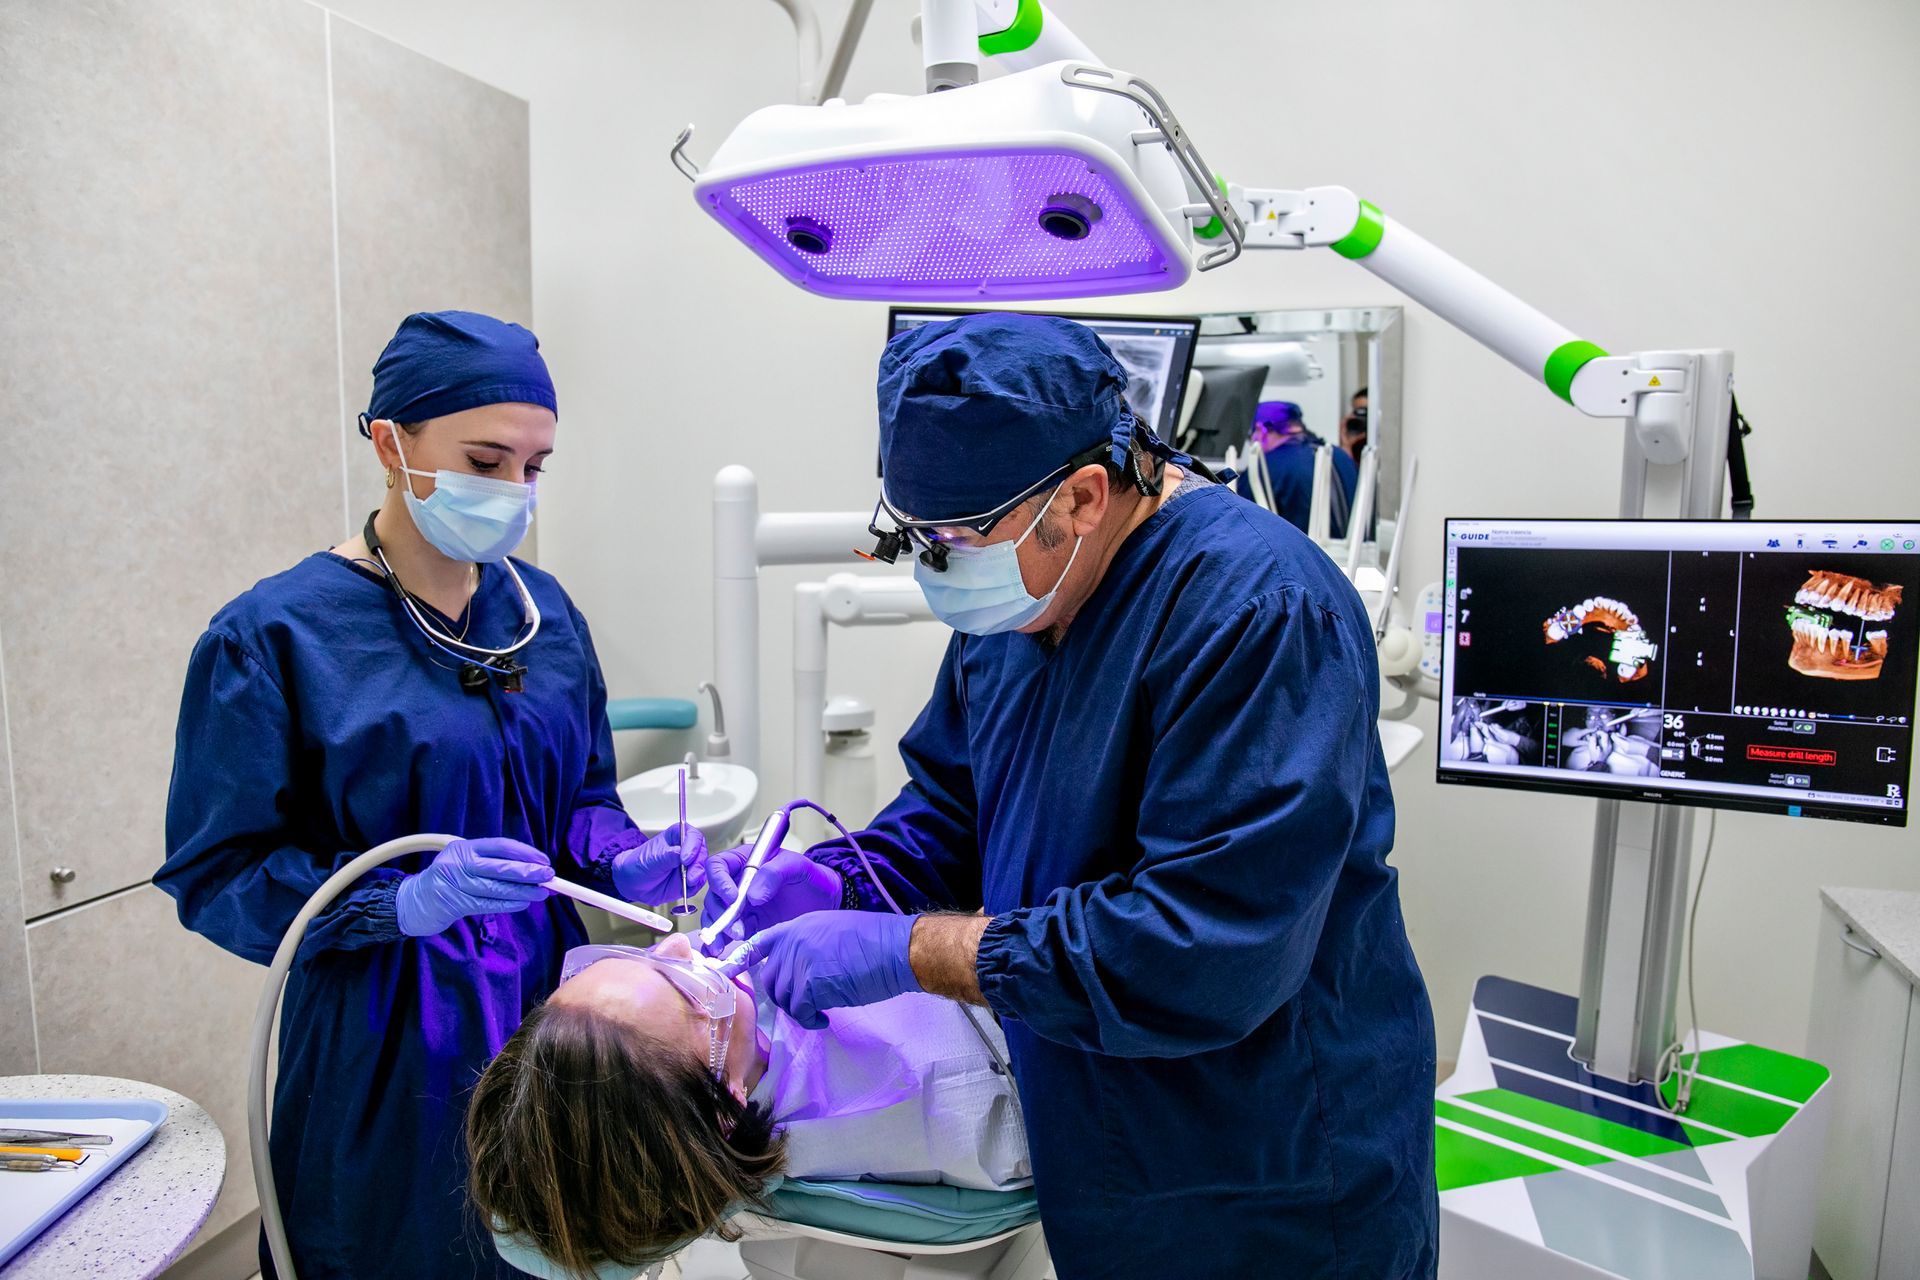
706	990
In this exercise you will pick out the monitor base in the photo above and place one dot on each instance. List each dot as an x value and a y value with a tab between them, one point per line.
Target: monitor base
1549	1171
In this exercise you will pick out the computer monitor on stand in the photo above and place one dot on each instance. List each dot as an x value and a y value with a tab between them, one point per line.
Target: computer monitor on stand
1764	666
1157	352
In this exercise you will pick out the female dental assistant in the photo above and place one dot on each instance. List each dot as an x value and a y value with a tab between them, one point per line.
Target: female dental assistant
411	679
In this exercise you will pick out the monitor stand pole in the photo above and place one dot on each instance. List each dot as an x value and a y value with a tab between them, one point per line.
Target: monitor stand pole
1636	905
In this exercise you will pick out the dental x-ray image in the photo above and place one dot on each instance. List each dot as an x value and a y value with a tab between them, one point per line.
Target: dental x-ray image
1149	362
1622	740
1494	731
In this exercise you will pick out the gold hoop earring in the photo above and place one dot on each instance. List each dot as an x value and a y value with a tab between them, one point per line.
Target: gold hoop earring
389	477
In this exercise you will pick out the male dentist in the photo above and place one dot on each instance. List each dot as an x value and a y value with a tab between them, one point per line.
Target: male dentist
1147	824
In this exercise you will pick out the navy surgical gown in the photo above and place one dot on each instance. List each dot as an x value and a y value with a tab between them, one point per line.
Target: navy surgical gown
1179	819
315	725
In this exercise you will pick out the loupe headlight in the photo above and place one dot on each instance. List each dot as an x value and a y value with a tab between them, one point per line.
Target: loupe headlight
901	532
894	534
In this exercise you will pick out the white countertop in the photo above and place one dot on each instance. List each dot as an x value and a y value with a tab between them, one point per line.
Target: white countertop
1886	919
140	1220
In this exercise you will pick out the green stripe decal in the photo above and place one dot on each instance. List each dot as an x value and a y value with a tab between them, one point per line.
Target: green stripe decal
1624	1139
1366	233
1212	227
1463	1161
1514	1133
1021	35
1768	1070
1744	1114
1567	359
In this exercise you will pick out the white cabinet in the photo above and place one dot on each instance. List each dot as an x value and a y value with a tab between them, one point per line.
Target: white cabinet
1900	1237
1865	1029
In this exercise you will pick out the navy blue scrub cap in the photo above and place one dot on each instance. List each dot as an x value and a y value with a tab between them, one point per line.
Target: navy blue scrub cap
978	409
440	362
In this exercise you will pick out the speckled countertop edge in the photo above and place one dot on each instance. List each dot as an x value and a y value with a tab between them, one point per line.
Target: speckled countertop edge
1888	919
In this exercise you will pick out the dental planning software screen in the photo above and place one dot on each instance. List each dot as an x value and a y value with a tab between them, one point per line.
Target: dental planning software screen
1753	665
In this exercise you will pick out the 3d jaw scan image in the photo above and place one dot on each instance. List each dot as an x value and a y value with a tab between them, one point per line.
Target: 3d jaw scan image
1839	625
1550	624
1829	634
1630	653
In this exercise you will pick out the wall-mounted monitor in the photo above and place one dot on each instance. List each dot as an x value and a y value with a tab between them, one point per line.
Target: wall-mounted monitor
1767	666
1157	352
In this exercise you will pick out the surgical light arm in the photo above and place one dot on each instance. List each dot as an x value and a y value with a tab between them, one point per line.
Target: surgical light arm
1220	218
1649	388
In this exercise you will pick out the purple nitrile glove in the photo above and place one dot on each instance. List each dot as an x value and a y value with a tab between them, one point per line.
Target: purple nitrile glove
789	884
832	959
651	872
470	878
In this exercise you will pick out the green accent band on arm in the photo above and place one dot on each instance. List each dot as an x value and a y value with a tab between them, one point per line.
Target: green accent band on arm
1212	227
1567	359
1021	35
1366	233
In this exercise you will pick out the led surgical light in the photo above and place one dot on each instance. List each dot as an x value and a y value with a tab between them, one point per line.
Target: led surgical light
1066	180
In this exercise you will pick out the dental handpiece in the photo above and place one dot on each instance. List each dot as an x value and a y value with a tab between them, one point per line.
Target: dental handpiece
772	832
737	961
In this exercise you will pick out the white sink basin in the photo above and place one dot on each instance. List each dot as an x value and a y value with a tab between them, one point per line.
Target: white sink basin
717	800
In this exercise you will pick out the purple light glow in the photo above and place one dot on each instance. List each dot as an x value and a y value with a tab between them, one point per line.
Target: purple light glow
964	225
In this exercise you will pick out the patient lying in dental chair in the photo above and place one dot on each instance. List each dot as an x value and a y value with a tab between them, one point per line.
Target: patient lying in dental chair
649	1098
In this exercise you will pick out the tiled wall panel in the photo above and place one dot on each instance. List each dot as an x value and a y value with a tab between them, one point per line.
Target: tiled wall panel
171	355
170	432
17	1056
433	210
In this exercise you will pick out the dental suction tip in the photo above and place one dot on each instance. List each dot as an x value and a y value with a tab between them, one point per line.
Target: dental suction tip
738	961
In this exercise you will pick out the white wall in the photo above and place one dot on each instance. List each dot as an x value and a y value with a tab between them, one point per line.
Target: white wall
1653	174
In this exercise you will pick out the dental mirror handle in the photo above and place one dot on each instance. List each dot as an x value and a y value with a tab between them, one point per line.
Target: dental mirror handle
685	908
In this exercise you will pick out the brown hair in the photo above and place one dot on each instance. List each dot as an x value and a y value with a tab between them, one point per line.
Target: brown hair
592	1143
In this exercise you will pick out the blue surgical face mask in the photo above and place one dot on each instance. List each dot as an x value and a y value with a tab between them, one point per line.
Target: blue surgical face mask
982	592
469	517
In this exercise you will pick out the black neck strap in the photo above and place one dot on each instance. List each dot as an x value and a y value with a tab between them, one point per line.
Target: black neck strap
380	554
1740	484
474	672
373	544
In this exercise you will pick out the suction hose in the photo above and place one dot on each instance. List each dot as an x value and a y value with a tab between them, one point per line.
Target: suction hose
267	1015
